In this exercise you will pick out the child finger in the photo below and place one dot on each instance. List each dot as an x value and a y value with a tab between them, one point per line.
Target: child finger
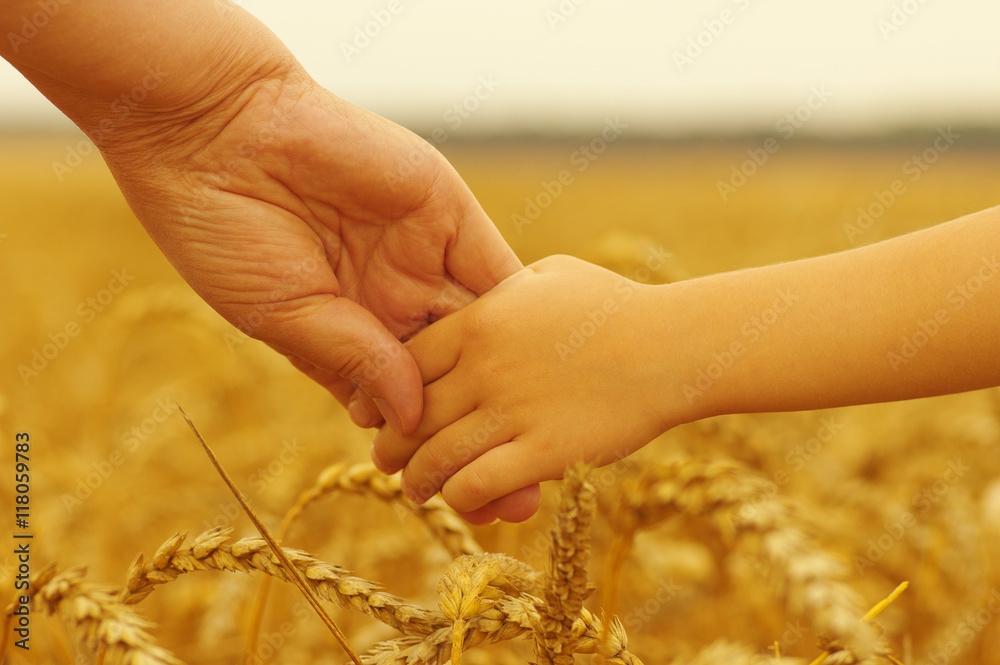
481	517
445	453
437	348
445	402
518	505
497	473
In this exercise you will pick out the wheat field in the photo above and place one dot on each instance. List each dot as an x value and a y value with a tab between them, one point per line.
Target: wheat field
742	539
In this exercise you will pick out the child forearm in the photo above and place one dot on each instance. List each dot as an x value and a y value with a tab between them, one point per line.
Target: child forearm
914	316
589	365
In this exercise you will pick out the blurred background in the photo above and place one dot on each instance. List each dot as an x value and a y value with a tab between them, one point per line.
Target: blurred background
729	133
668	68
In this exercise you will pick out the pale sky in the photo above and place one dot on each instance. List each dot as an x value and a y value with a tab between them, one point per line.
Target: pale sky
864	65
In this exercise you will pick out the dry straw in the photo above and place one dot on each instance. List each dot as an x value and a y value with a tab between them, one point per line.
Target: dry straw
284	560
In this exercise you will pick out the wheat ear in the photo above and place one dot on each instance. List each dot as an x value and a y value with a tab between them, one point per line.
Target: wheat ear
425	631
209	552
474	584
566	581
365	479
508	619
104	621
739	504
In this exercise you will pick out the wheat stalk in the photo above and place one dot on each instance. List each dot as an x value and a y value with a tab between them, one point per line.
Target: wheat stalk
834	652
284	560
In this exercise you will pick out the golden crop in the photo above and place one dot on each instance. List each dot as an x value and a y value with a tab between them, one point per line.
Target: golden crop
724	541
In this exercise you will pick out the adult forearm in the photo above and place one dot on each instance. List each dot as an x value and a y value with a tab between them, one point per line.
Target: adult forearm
911	317
108	62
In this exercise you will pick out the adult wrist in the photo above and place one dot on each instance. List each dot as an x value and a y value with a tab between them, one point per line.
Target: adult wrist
124	74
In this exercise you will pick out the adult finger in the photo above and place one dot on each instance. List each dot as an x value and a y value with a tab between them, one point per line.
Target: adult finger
341	337
363	410
435	349
480	258
360	407
338	386
445	402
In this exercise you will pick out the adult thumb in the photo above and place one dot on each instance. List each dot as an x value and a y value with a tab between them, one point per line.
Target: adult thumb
342	337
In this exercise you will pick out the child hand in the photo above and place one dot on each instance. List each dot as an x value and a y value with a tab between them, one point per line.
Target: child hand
551	366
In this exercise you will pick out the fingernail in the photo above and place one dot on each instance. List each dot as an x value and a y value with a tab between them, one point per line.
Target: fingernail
359	416
376	461
410	494
389	414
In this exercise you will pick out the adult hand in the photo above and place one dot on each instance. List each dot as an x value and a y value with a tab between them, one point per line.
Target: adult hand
318	227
